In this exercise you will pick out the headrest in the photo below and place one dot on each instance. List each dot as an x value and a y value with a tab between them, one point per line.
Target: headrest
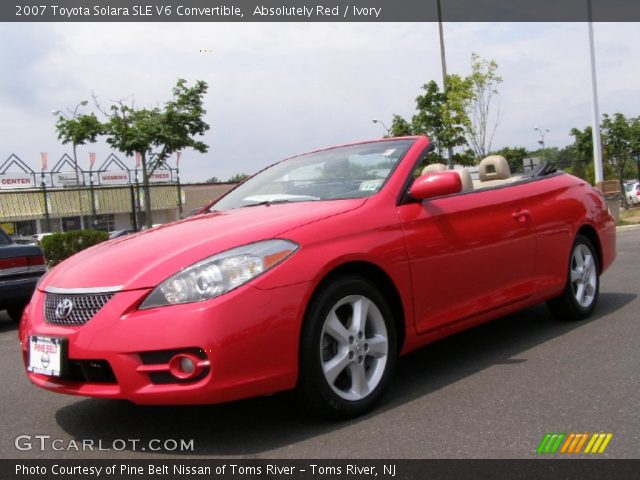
494	167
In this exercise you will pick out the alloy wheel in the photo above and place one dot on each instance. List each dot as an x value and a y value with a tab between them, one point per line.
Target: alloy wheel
354	347
583	275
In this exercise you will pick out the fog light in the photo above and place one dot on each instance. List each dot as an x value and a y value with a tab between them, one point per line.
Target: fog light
187	365
184	366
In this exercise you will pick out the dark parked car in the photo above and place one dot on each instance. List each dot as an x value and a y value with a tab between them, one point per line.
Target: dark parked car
20	268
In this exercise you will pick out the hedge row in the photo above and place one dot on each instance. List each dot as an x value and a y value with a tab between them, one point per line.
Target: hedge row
60	246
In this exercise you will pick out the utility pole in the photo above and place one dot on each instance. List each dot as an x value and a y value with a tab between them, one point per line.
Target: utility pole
443	61
595	114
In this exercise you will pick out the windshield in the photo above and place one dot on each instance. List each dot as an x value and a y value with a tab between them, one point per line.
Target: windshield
344	172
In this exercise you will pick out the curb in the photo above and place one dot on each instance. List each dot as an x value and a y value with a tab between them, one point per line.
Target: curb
628	228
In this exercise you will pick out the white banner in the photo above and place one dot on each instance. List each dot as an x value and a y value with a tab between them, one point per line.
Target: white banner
64	179
117	177
16	180
160	176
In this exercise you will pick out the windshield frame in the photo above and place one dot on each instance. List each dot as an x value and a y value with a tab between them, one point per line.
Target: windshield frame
410	142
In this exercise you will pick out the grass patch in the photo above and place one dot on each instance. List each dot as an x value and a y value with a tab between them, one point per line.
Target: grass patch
629	217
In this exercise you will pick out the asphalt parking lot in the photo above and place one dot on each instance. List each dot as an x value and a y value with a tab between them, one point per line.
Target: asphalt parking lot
491	392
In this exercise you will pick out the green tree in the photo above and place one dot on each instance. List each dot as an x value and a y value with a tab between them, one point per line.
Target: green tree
482	125
465	157
619	138
78	130
455	111
212	180
428	118
237	178
461	117
159	132
582	151
400	127
442	117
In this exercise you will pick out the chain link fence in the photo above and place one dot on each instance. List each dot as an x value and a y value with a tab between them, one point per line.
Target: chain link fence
27	212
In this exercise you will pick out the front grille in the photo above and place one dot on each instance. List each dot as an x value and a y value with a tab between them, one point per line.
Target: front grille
83	307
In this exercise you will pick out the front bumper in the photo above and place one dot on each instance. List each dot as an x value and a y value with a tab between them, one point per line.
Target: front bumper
248	338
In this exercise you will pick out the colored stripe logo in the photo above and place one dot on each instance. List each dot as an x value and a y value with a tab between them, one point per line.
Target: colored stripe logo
556	442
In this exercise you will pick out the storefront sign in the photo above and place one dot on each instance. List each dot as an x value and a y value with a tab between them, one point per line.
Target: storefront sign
160	176
67	179
16	180
114	177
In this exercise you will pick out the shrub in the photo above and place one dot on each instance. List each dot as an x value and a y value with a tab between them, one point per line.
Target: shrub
60	246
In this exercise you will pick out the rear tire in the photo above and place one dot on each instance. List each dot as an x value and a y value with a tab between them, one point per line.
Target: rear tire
580	295
348	349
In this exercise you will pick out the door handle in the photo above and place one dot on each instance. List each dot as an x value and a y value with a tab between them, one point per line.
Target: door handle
521	216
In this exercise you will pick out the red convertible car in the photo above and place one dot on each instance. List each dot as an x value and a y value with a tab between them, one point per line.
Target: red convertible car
315	274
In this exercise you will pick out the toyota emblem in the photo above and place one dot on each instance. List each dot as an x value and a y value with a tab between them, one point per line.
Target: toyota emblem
64	309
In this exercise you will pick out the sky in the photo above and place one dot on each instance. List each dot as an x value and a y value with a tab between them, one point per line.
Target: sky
280	89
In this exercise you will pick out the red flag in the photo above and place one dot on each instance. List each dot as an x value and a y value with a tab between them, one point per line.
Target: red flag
138	159
44	160
92	160
178	155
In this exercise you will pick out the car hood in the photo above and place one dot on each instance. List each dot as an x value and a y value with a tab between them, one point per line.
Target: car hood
145	259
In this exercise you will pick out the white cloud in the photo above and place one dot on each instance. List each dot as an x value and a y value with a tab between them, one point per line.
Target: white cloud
281	89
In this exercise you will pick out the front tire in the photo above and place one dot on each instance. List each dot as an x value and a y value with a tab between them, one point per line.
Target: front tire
580	295
348	349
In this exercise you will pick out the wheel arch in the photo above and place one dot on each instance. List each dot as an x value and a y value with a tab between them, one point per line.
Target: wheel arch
380	279
591	233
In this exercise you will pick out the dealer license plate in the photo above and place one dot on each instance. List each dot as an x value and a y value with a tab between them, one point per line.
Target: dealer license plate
46	355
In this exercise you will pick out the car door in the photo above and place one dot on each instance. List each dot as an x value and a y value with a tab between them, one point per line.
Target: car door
469	253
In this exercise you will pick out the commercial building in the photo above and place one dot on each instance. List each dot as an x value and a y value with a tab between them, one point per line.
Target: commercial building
109	198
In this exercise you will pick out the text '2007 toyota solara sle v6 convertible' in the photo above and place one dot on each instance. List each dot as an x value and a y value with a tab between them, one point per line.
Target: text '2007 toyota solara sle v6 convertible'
315	274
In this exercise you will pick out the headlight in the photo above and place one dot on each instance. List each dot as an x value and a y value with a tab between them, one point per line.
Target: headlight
220	274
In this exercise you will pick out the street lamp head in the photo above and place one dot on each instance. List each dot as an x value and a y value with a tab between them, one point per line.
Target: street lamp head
375	120
56	112
84	103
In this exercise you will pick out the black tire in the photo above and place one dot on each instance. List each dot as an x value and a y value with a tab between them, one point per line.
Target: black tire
567	305
15	312
340	398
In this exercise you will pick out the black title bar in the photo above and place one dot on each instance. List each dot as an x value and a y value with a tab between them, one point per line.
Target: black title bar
319	11
583	469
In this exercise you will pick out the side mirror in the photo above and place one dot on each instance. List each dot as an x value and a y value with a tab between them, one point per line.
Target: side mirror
436	184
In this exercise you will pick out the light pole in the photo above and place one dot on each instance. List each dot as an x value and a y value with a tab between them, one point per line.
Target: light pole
375	120
542	131
73	143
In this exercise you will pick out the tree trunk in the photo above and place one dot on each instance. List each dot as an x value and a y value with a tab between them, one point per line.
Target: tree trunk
75	168
625	201
146	190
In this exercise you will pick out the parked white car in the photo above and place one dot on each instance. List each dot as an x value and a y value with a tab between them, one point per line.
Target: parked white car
632	192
